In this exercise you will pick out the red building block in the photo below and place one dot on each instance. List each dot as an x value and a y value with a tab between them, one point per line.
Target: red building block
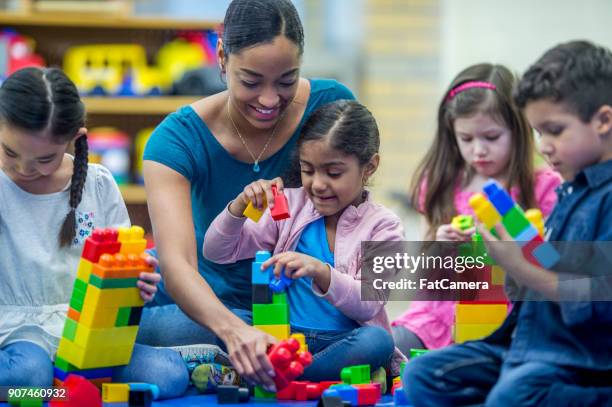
367	394
288	363
81	392
102	241
281	207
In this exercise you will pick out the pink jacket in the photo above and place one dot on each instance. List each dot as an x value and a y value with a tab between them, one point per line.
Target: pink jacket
432	321
230	238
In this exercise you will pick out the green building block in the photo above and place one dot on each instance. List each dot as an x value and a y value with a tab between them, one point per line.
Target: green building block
417	352
112	282
70	328
64	365
279	298
260	393
402	366
358	374
270	314
123	316
515	221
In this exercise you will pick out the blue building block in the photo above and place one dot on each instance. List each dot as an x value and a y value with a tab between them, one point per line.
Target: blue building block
257	275
399	397
278	285
546	255
526	236
344	391
501	200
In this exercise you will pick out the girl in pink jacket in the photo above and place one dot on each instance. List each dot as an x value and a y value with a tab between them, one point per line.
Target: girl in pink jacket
481	134
319	246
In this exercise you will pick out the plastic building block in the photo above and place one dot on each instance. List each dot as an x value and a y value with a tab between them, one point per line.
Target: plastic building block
140	398
280	332
415	353
253	213
132	240
81	393
101	241
281	207
481	313
278	285
259	276
368	394
358	374
115	392
462	222
279	298
484	211
345	392
270	314
535	218
332	401
399	397
302	340
261	294
498	275
263	394
288	362
232	394
468	332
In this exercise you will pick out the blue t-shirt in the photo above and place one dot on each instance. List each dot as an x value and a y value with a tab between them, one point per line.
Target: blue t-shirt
184	143
307	310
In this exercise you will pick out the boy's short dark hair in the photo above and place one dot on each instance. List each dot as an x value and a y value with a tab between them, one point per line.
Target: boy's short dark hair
577	73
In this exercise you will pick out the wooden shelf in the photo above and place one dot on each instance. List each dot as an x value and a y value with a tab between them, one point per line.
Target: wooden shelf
87	20
133	194
136	105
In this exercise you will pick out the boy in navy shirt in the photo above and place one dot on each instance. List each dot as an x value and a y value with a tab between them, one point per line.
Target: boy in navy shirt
553	349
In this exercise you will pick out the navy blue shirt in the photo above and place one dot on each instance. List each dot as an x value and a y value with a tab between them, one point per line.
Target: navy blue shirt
184	143
570	333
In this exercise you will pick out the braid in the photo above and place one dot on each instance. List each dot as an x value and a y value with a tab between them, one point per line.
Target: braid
79	175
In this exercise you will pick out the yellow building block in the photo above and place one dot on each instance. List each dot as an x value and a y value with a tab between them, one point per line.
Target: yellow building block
84	270
484	210
280	332
132	240
96	337
534	216
101	305
94	357
480	313
302	340
115	392
468	332
497	275
253	213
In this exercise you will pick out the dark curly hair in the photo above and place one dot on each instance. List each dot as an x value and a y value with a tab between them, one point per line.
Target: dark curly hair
576	73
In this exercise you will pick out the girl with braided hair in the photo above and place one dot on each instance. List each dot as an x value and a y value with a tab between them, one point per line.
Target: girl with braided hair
50	202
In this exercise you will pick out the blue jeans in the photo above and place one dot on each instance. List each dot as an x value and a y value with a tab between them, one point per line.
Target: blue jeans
27	364
475	373
332	351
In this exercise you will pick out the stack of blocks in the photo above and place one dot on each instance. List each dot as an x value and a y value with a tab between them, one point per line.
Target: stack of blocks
270	308
105	307
356	387
476	319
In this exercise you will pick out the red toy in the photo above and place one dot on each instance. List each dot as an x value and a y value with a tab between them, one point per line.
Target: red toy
281	207
81	392
102	241
288	363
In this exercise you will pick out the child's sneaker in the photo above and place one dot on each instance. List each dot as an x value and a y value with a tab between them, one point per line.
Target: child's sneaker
195	355
208	376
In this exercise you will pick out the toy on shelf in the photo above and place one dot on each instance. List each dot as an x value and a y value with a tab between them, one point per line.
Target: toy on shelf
111	148
139	146
16	52
105	307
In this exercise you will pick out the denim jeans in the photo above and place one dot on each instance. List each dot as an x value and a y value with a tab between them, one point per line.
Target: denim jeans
332	351
405	339
475	373
27	364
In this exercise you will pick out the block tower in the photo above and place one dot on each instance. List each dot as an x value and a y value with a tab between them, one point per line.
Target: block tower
475	319
105	307
270	309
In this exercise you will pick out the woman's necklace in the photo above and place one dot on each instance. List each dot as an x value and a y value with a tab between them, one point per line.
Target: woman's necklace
265	147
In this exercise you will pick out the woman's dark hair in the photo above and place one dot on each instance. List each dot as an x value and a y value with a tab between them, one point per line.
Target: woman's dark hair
443	165
577	73
251	22
35	99
350	128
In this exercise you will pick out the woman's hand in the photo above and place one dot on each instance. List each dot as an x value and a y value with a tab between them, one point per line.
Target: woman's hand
247	348
259	193
449	233
297	265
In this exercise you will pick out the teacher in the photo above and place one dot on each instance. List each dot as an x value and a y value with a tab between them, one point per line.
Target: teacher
201	156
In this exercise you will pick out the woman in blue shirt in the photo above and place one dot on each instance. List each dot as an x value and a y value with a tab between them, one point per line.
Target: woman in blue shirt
202	156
